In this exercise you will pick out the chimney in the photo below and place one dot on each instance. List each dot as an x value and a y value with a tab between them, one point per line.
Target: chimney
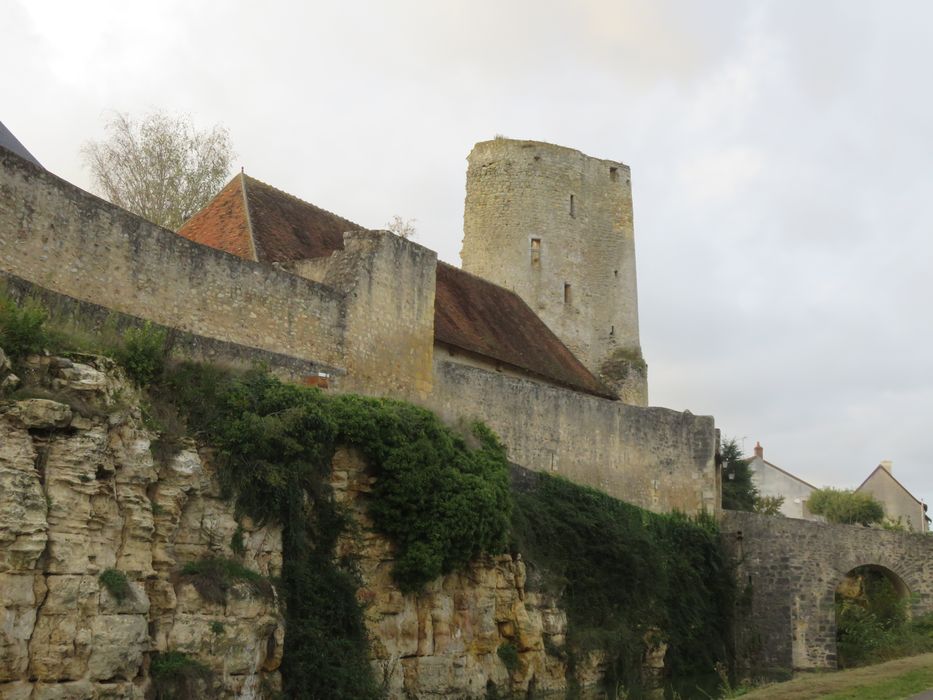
759	450
887	465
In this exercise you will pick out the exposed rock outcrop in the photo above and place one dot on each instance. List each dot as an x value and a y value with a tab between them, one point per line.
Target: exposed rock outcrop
80	493
444	642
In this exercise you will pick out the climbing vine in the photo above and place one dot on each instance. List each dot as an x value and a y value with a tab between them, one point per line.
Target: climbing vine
440	501
628	579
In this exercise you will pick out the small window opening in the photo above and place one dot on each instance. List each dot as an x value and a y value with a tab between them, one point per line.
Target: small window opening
535	251
612	330
615	272
566	293
573	207
613	174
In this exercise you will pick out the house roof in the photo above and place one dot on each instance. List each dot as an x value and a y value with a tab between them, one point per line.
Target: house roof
254	220
783	471
890	476
482	317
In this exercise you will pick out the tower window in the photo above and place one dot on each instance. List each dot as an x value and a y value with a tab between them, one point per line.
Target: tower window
573	207
612	331
613	174
566	293
535	251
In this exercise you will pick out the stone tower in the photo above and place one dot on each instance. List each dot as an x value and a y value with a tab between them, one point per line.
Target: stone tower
555	226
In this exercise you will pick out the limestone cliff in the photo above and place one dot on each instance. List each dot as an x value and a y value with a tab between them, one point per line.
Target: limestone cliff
445	641
80	494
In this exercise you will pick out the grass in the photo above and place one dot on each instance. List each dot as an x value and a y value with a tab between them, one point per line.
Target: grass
213	577
893	680
115	581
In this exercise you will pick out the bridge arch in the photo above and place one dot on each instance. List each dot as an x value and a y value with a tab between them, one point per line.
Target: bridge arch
792	570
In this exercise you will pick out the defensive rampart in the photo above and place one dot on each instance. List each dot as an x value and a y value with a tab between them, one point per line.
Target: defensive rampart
790	569
368	323
654	457
59	237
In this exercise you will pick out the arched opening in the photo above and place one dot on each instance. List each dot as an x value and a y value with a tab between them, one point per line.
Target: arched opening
871	614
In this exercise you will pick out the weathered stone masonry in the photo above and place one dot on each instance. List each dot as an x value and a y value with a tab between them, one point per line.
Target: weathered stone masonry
366	319
793	568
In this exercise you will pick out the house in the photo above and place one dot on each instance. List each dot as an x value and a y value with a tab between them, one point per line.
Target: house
771	480
899	503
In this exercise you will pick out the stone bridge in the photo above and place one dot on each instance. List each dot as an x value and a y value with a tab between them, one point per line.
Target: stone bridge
788	573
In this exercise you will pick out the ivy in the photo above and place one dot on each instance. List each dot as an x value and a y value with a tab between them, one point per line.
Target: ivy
628	578
439	500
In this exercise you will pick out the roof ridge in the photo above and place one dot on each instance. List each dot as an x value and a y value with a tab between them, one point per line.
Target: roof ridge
249	215
301	201
893	478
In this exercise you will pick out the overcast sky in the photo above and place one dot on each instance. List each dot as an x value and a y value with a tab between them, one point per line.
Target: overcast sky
780	155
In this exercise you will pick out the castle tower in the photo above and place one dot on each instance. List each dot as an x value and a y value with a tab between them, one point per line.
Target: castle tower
555	226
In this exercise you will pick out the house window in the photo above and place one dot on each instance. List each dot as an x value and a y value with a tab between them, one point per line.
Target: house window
535	251
613	174
573	207
566	293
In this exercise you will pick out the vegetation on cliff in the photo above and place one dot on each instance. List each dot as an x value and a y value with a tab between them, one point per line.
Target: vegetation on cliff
629	579
439	501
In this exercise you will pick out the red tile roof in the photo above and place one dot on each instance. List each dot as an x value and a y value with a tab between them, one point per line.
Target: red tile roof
469	312
223	223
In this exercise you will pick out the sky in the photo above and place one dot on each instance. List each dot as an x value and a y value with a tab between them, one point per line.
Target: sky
780	156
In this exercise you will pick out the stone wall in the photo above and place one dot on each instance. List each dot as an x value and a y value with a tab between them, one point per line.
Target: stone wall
80	494
85	318
59	237
555	226
790	570
656	458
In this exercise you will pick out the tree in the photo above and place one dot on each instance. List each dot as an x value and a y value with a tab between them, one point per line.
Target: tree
405	228
844	506
738	491
161	168
769	505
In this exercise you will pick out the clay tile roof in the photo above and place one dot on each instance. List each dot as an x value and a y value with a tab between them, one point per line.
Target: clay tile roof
469	312
476	315
223	223
276	227
287	228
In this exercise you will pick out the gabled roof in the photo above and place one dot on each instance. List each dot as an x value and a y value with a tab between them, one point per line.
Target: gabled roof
11	143
257	221
253	220
891	477
783	471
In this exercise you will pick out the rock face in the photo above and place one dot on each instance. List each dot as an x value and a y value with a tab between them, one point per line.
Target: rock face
80	493
445	642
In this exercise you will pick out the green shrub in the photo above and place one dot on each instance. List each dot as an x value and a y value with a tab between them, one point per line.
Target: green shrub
23	328
213	577
844	506
508	653
142	353
625	575
874	625
115	581
176	676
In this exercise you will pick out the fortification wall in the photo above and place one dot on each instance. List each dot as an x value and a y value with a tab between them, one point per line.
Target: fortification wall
653	457
790	569
555	225
59	237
